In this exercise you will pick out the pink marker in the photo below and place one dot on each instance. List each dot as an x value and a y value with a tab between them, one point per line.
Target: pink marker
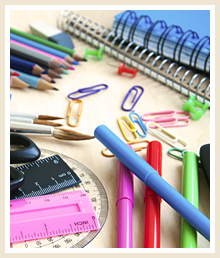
59	59
124	203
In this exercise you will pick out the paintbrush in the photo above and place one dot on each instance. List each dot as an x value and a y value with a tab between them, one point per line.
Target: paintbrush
34	116
34	121
45	130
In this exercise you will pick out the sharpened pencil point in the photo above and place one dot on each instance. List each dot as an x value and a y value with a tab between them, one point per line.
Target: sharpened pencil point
65	72
62	65
72	68
55	88
84	59
58	76
52	81
75	62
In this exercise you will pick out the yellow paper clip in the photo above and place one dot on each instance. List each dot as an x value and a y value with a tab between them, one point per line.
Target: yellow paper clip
129	143
71	103
170	140
132	128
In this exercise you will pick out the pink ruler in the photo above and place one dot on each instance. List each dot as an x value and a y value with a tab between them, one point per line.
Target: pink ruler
51	215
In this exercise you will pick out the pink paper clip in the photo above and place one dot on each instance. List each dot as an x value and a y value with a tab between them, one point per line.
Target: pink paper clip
167	119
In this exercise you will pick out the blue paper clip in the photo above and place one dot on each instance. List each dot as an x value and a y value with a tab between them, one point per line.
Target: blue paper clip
135	97
90	90
140	122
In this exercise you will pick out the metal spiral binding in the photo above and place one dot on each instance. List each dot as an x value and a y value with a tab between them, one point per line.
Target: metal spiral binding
140	57
167	29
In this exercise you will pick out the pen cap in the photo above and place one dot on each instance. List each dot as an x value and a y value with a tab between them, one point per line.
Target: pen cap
154	159
124	183
126	155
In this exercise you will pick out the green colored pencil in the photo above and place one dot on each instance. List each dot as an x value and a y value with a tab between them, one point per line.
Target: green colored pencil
43	41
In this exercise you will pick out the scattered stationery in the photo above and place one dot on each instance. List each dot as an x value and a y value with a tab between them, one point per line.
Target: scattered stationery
150	177
188	82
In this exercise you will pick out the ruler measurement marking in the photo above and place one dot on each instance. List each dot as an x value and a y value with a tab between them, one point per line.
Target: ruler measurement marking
86	237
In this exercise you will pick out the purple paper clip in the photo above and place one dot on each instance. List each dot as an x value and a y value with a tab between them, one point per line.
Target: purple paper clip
135	97
90	90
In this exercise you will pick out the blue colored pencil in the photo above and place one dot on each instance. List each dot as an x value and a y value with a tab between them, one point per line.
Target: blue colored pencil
35	82
44	48
26	66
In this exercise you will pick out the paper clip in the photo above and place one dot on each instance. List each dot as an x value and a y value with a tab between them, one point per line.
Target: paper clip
132	128
165	118
72	102
171	140
130	143
90	90
139	121
135	97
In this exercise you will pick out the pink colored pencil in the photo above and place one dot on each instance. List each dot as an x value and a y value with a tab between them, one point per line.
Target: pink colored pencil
59	59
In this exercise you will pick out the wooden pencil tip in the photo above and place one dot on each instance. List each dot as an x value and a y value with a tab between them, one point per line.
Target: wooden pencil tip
55	88
71	135
84	59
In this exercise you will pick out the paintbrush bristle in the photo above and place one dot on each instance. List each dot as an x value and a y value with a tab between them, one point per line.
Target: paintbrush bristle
46	117
67	134
45	122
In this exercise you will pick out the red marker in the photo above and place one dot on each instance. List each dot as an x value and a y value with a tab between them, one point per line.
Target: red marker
152	200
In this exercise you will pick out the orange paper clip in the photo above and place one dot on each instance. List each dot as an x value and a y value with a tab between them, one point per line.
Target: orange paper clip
71	103
129	143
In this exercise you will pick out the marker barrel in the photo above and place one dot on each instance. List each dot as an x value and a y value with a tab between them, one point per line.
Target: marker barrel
152	200
149	176
190	190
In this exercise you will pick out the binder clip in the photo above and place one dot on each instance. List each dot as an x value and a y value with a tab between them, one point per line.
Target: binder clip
97	53
191	106
135	97
72	102
123	69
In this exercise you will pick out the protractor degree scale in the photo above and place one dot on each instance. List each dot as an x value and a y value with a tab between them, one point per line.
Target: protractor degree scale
95	190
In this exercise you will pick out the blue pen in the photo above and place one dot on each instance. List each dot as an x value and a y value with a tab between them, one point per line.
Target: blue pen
150	177
42	47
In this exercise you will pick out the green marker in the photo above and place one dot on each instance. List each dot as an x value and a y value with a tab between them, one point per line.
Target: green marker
190	190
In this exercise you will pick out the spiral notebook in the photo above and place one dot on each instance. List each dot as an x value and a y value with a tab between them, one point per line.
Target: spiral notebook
180	35
170	73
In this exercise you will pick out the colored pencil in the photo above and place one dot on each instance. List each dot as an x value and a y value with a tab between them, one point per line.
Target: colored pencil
33	56
61	60
35	82
48	43
15	82
52	72
12	73
44	48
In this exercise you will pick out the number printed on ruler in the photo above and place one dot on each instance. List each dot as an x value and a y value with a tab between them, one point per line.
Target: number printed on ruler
91	184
